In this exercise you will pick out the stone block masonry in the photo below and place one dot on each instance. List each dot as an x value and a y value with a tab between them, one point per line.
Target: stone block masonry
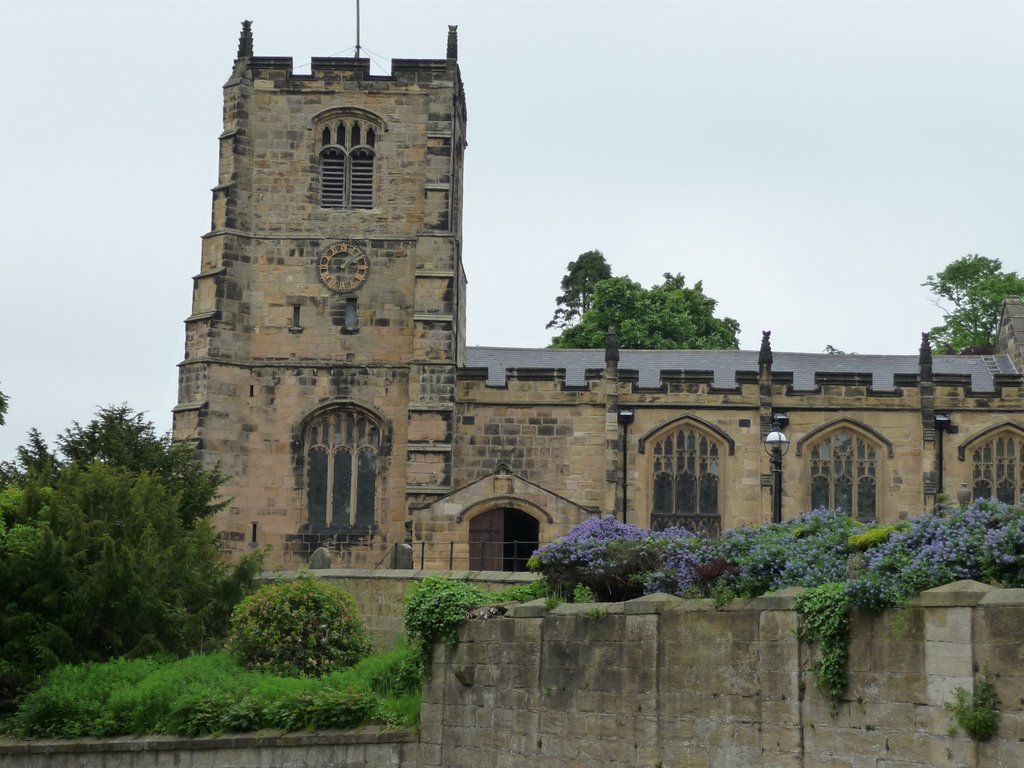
367	748
667	682
660	681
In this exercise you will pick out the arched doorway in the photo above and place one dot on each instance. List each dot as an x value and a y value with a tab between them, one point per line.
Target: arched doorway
502	539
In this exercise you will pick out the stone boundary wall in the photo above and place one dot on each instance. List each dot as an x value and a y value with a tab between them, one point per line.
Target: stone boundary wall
665	682
380	594
659	682
367	748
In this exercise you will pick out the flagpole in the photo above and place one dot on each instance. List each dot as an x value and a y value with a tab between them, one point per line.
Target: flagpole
357	29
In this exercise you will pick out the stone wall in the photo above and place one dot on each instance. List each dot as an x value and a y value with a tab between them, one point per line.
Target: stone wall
367	748
380	595
658	681
666	682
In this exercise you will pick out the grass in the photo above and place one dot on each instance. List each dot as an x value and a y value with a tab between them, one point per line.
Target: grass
212	694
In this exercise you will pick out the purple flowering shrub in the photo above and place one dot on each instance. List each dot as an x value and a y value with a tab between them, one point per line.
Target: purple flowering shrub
610	558
618	561
807	551
983	542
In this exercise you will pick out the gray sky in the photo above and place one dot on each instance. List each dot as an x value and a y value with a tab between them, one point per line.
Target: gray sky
811	161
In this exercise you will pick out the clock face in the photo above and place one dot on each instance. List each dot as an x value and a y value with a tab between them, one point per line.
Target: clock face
343	267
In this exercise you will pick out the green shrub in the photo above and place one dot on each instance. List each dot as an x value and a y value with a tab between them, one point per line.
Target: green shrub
401	711
977	713
434	609
73	701
334	708
395	673
212	694
520	593
302	627
581	593
825	612
153	704
870	537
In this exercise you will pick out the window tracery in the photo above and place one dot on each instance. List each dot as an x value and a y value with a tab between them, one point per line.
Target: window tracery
997	468
342	455
686	480
844	474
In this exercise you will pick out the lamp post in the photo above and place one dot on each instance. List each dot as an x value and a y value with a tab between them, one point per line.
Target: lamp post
776	444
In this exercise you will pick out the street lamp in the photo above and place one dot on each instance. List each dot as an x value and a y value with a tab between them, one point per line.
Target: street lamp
776	444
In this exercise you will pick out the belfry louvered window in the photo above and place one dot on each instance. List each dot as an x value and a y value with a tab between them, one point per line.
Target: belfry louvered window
342	451
332	178
347	164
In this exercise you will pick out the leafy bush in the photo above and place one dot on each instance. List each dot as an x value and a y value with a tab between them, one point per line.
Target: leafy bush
434	608
334	708
390	674
74	700
871	537
807	551
521	593
582	594
826	620
977	713
154	704
300	627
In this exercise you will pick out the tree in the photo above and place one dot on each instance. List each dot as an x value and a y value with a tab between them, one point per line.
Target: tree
34	459
970	293
3	407
581	278
666	316
118	436
106	550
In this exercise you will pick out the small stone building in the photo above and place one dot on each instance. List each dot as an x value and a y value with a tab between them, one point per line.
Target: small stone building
326	368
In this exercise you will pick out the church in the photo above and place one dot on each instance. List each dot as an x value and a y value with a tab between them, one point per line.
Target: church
326	369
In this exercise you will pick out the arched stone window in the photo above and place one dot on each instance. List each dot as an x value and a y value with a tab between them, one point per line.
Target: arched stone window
686	480
348	154
342	449
844	474
997	468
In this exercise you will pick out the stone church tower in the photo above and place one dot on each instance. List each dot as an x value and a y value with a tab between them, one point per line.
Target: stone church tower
328	315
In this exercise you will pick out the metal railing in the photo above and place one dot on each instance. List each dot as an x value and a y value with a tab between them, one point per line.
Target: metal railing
484	555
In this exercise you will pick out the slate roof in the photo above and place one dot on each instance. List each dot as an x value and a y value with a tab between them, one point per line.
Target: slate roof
880	372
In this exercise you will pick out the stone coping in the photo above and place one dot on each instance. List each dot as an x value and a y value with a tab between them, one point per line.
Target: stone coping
402	574
268	738
966	593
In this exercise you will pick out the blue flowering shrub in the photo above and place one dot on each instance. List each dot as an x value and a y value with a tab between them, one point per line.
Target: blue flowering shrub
984	542
807	551
613	560
881	566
